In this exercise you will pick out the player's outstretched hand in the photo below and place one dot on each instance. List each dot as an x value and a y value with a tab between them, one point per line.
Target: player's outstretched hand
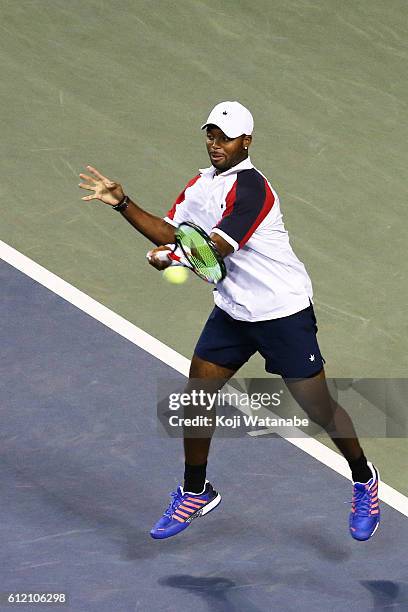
103	188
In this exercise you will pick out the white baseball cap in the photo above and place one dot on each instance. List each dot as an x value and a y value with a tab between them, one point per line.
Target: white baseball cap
232	118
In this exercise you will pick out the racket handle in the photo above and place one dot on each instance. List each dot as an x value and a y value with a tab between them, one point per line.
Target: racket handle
165	256
162	255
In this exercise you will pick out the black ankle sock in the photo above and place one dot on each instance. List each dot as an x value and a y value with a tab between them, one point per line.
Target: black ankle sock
194	477
360	470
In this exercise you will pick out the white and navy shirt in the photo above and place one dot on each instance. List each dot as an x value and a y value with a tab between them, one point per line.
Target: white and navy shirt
265	280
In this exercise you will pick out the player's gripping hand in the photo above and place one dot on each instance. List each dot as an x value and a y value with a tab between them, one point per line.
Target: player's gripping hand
103	188
159	264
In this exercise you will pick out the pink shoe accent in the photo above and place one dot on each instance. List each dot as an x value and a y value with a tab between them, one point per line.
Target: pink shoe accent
180	520
191	504
180	512
196	500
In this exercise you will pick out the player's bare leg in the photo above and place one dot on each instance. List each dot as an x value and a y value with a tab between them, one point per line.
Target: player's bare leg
214	376
197	497
313	395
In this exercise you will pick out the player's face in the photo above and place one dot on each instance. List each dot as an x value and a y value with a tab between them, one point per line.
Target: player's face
226	152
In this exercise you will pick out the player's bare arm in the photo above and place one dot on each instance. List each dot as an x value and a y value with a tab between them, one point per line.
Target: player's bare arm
223	247
111	193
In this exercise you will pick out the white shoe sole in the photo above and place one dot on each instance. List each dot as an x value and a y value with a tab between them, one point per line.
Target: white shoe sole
207	508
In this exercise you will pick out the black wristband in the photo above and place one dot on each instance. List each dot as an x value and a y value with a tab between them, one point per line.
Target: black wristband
122	205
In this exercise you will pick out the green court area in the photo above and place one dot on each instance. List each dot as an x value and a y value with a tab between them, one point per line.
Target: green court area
125	86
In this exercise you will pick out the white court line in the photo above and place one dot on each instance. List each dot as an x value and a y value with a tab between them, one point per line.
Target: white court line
161	351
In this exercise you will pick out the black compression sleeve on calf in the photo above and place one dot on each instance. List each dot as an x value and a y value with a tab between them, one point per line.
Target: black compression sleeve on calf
360	470
194	477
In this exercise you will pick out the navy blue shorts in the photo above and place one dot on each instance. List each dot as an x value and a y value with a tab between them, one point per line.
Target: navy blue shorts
288	345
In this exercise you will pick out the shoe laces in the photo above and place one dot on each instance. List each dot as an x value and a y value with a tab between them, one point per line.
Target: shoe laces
176	499
362	500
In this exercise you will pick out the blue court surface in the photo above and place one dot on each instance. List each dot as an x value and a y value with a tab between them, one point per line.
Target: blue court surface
85	474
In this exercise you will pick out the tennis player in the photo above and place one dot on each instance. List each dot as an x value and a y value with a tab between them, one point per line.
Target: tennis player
263	305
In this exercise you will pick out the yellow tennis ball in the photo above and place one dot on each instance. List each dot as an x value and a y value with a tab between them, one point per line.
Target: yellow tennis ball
177	275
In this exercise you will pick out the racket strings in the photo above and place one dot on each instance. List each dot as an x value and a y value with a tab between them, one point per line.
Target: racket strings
201	254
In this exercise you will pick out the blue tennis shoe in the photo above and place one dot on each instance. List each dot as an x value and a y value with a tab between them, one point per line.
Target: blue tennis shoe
183	509
365	510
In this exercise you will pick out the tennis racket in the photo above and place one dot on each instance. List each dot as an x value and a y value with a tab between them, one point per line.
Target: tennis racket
200	252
